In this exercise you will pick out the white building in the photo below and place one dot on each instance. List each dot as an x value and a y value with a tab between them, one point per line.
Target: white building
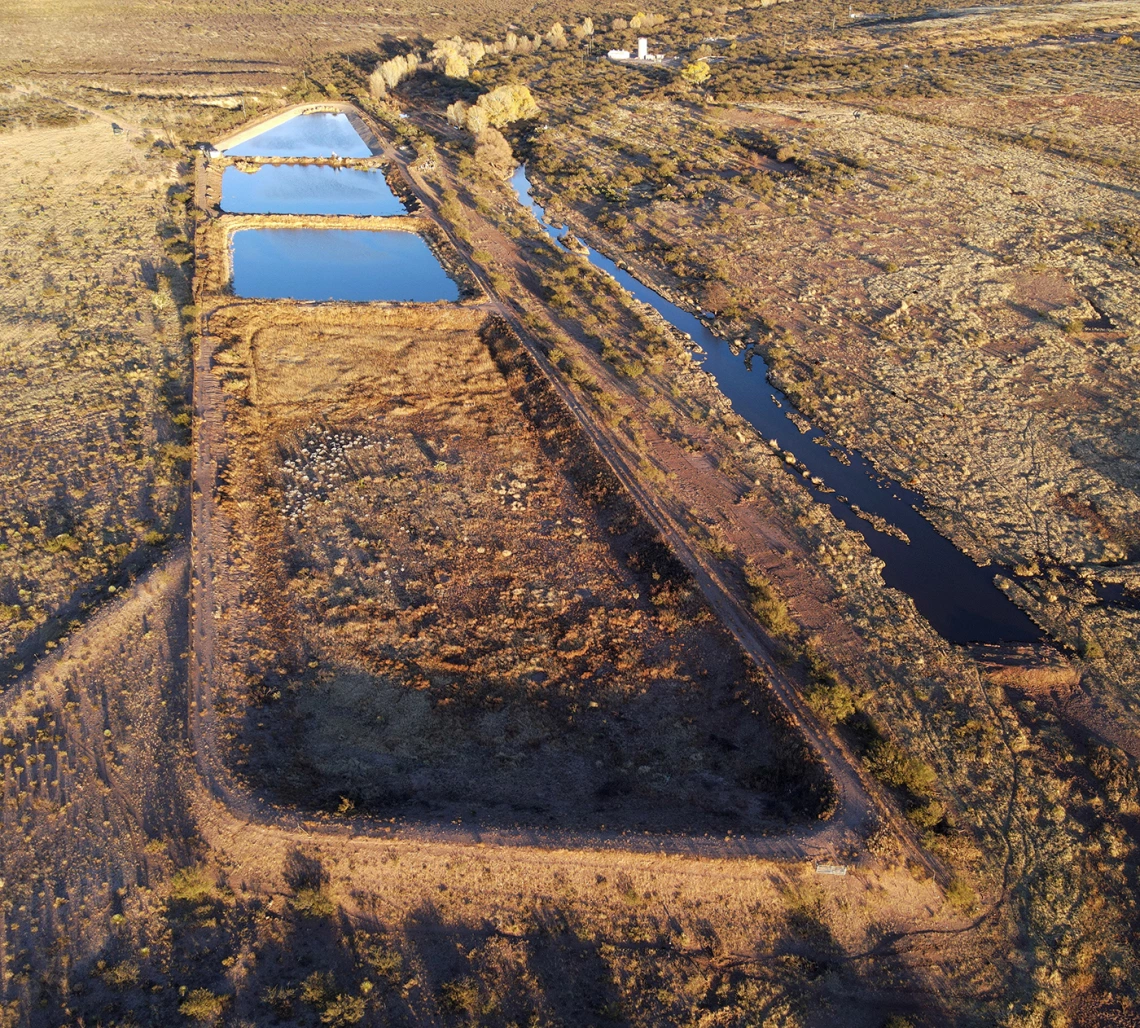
618	55
642	48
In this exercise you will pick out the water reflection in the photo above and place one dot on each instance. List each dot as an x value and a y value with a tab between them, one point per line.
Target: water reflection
320	134
338	264
308	189
955	595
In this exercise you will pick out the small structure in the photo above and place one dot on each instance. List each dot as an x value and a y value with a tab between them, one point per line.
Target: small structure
839	870
643	54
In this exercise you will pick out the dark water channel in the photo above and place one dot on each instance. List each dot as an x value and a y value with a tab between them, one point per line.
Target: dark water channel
305	135
338	264
955	595
308	189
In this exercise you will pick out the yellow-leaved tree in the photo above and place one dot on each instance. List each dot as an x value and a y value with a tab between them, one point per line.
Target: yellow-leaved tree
696	73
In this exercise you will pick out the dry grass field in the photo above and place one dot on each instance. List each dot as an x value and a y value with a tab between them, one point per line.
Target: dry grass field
94	419
934	249
438	615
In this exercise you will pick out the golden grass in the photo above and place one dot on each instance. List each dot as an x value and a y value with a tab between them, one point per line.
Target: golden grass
95	371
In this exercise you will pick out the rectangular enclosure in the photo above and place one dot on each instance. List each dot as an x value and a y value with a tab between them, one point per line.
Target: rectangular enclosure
338	264
308	189
305	135
445	606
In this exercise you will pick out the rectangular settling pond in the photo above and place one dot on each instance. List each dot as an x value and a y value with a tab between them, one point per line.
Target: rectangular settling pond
305	135
337	264
307	189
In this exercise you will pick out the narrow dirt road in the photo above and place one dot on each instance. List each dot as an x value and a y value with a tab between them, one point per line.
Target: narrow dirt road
860	803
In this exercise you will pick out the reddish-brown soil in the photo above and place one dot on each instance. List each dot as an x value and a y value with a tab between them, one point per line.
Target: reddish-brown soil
455	612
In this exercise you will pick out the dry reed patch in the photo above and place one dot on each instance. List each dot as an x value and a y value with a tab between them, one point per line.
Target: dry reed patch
459	614
94	371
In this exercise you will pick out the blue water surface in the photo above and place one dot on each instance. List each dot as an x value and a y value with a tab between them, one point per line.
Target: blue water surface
308	189
337	264
321	134
956	596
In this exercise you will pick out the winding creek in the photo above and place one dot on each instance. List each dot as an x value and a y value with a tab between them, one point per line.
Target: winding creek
955	595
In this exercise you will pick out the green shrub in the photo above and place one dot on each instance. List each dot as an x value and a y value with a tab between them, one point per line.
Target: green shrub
343	1010
461	996
203	1006
279	998
318	989
313	902
63	541
123	975
770	609
191	885
832	703
891	764
829	697
961	896
928	814
1090	649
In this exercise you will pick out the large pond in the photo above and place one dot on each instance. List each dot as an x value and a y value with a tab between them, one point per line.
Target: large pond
307	189
337	264
955	595
305	135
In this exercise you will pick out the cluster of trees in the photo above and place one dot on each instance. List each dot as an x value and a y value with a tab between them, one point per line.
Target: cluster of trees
556	37
456	56
391	73
640	22
483	119
499	107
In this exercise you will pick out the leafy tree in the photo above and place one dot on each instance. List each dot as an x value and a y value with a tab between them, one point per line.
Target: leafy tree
493	153
512	102
696	73
390	74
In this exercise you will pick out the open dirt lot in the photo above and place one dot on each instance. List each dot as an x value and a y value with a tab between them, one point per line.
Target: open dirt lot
466	616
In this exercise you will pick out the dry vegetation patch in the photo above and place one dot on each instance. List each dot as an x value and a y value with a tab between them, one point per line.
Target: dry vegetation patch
93	418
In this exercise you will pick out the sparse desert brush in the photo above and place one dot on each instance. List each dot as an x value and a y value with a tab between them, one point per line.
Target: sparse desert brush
766	604
191	885
102	389
203	1006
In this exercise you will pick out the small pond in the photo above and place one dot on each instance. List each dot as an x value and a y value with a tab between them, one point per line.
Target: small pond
305	135
337	264
308	189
